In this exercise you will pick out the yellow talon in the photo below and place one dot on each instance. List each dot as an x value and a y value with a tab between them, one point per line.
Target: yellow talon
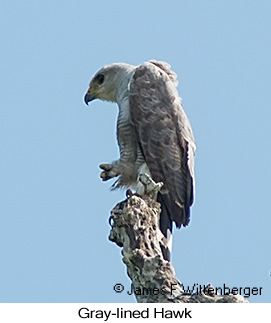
105	166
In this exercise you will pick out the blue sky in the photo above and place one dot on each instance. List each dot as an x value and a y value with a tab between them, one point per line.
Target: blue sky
54	209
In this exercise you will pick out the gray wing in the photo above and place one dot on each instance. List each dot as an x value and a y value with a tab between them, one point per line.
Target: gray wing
164	135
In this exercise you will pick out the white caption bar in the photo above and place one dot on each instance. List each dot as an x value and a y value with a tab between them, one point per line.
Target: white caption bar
77	312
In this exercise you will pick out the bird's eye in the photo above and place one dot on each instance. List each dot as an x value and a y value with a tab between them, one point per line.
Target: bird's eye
100	78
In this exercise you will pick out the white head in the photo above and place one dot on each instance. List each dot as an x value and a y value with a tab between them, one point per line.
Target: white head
108	82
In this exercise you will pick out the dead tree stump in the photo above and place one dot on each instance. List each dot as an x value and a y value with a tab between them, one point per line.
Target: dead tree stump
135	228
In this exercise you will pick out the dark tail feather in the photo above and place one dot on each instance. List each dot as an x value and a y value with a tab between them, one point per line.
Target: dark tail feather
165	227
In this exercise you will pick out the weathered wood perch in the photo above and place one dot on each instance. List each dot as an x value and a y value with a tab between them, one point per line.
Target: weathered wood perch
135	228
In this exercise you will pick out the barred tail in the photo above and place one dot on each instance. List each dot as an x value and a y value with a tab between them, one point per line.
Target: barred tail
166	228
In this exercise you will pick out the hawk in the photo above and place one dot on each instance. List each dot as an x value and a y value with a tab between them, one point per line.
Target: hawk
154	136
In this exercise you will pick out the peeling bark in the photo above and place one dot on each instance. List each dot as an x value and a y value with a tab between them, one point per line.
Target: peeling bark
135	228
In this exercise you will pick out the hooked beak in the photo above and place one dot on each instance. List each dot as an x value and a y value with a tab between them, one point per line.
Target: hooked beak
89	96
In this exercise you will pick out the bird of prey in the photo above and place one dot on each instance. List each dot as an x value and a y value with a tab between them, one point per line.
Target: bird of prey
154	136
